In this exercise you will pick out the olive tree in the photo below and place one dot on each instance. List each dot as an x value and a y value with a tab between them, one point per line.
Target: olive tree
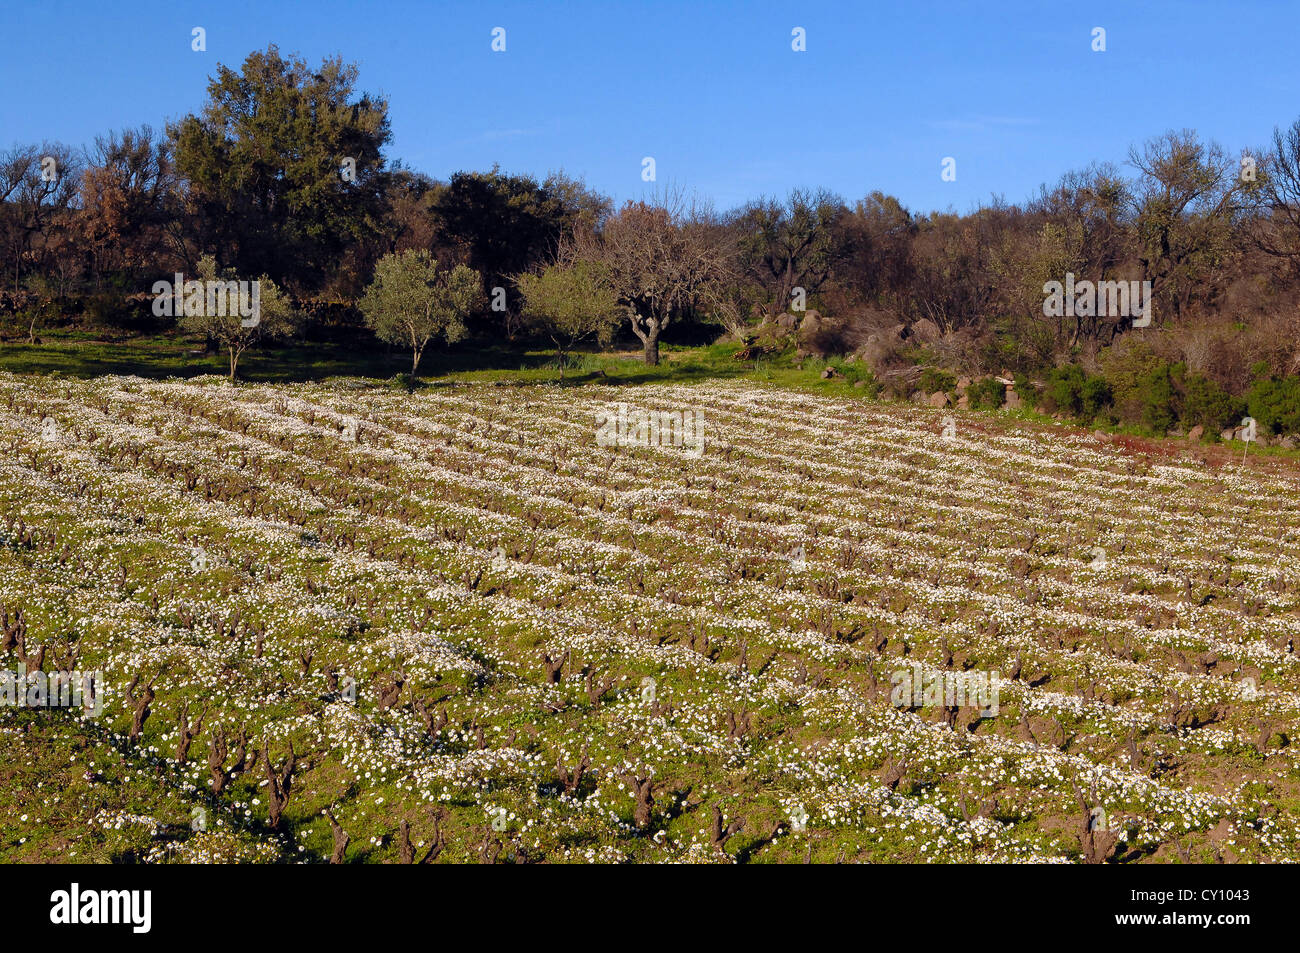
236	314
571	303
410	302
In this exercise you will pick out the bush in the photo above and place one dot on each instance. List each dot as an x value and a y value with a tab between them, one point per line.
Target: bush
1064	390
1274	402
1208	405
989	393
933	379
1071	390
1094	396
108	309
1157	396
855	371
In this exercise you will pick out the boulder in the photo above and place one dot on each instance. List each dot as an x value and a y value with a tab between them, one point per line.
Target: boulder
1227	436
786	321
1013	401
962	384
813	335
1196	433
1287	443
963	402
938	399
926	331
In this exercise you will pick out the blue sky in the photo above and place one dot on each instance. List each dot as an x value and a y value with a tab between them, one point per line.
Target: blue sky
711	90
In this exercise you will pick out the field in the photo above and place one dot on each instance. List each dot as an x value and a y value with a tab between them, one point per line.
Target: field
451	625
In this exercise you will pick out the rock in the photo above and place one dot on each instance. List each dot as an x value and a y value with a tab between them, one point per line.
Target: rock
926	331
1013	401
830	373
1287	443
786	321
963	402
962	384
1196	433
814	336
938	399
1260	441
1101	435
918	397
1227	436
859	384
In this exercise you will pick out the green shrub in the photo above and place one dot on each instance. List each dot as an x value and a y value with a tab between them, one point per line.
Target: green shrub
1094	396
1026	390
988	393
1158	399
1208	405
855	371
933	379
1274	402
1064	391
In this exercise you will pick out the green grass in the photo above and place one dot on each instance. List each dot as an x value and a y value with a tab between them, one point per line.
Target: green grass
172	355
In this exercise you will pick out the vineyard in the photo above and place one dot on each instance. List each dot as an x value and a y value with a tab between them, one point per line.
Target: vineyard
343	622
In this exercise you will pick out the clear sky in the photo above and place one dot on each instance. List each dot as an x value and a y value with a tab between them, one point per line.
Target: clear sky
712	90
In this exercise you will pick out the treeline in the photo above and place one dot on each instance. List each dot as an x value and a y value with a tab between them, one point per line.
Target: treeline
283	174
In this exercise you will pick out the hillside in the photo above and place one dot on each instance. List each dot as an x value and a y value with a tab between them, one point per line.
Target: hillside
461	612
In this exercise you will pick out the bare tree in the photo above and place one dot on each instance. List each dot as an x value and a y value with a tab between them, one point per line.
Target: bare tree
1187	202
667	260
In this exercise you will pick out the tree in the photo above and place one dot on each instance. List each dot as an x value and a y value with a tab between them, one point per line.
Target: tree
1087	231
876	239
1278	193
1186	206
501	225
666	260
410	303
215	310
790	245
570	303
284	166
38	188
127	202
